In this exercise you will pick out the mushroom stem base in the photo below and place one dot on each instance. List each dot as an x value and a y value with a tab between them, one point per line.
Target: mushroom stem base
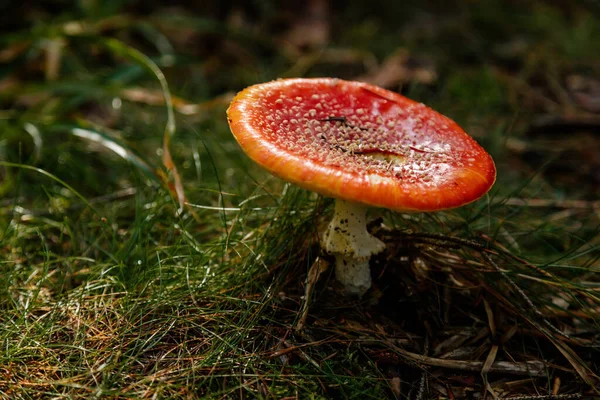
352	245
353	274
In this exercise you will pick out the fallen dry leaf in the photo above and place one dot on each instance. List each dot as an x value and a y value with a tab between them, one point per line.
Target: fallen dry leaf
400	68
585	91
311	29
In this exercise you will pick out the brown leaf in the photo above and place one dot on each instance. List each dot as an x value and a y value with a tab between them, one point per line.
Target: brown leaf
156	98
12	51
585	91
395	387
311	30
400	68
176	186
489	361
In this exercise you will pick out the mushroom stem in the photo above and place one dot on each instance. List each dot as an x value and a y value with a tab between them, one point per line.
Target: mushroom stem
352	245
353	274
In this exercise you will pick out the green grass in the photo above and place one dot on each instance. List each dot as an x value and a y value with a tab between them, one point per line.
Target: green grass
112	288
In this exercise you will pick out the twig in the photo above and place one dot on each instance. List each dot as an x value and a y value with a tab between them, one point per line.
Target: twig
546	397
528	368
318	267
421	391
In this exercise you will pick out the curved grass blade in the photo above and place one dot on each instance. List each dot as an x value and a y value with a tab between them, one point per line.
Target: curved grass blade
36	137
54	178
173	180
115	146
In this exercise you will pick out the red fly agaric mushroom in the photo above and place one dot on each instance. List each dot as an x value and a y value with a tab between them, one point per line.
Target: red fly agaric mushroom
364	146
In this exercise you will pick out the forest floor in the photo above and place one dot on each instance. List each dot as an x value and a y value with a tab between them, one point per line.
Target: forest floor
143	255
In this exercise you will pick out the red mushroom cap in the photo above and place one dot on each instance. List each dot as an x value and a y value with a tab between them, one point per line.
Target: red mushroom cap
361	143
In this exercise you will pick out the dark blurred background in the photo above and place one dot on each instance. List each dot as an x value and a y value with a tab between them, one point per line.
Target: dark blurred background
521	76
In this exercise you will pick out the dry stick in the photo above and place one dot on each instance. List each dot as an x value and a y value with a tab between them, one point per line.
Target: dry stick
421	391
319	266
546	397
528	368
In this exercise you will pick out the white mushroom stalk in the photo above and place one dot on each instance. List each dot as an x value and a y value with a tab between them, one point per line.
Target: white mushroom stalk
352	245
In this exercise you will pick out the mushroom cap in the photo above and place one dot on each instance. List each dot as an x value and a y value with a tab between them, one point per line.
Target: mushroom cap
361	143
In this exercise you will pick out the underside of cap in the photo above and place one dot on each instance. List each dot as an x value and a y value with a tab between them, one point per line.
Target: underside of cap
361	143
